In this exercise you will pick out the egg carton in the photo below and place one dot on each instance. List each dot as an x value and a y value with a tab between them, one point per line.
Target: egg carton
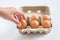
38	10
35	30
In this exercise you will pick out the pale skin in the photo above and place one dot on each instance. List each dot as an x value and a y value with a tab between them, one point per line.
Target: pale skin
9	13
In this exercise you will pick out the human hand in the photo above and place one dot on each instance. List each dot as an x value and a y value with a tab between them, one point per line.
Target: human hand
10	13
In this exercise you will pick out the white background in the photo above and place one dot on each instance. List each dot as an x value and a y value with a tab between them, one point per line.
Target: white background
8	30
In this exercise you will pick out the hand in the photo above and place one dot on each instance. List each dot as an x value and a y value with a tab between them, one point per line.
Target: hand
10	13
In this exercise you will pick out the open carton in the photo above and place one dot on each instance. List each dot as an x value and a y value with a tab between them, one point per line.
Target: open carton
35	10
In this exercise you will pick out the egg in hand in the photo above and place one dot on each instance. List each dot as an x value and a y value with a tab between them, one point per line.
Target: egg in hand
24	24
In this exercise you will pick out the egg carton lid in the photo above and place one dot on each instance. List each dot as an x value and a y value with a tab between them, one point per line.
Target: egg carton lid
43	9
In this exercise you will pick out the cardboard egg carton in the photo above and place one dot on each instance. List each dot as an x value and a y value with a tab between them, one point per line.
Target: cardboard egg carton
35	10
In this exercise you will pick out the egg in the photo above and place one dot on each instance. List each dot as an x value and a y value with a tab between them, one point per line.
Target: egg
23	24
34	24
34	17
46	24
46	17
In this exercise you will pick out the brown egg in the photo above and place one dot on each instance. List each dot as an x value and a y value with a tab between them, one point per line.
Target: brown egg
34	17
46	24
46	17
23	24
34	24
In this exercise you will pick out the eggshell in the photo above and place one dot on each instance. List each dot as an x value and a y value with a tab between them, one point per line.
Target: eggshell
23	24
34	24
46	17
46	24
34	17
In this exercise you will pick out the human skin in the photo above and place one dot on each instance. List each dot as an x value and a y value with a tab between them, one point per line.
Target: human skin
9	13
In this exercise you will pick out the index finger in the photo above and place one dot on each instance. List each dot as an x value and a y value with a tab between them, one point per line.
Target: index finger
20	13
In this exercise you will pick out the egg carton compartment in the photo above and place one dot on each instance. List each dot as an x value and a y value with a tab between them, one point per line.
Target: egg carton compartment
35	30
39	11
